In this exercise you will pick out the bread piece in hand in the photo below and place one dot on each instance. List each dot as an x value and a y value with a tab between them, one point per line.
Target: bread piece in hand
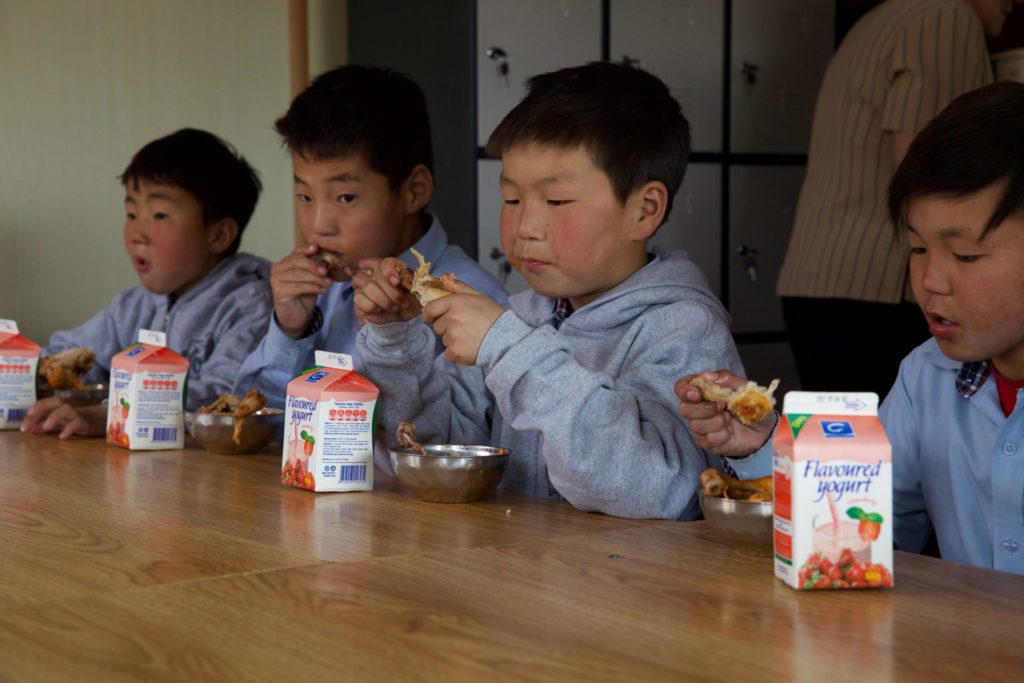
750	403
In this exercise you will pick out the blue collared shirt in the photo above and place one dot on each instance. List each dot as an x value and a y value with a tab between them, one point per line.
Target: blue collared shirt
278	357
958	462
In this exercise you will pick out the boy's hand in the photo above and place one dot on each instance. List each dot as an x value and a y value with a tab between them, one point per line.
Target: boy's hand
379	297
296	281
714	428
462	320
53	415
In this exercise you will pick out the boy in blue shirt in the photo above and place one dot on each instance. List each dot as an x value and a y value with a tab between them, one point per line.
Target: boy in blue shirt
363	165
952	416
188	198
575	377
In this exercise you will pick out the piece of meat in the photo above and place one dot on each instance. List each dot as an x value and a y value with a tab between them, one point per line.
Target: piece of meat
64	370
750	403
407	437
719	485
252	402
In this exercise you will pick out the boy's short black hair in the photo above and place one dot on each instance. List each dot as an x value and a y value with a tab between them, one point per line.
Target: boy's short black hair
375	112
977	140
208	168
623	116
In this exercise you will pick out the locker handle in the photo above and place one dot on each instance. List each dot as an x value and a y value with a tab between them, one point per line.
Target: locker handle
749	256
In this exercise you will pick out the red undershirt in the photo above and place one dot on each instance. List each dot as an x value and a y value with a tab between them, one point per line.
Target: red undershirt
1007	390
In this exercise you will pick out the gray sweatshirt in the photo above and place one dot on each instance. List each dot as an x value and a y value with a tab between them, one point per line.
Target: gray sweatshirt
215	325
588	409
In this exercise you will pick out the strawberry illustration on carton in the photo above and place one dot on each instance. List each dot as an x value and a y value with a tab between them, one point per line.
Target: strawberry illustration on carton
330	423
833	492
148	381
19	362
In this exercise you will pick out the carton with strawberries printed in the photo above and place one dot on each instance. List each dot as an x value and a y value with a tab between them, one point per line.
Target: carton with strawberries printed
833	492
145	407
330	420
19	360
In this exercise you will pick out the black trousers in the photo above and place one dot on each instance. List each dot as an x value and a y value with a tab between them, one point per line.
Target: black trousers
846	345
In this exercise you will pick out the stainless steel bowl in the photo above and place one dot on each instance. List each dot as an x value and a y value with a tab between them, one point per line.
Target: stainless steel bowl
91	395
745	525
215	432
450	473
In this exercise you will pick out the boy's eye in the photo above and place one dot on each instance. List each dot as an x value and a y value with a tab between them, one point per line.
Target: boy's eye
160	215
130	216
346	198
302	198
511	202
559	202
966	258
917	251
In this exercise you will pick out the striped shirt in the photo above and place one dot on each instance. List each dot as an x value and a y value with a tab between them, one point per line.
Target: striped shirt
900	65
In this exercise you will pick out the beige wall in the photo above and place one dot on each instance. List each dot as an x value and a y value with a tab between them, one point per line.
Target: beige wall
84	84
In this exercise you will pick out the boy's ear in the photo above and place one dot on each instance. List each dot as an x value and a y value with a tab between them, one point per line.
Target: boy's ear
418	189
222	234
653	201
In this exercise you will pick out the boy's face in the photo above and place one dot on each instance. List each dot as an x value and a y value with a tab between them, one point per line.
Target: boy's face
165	236
346	207
562	226
970	288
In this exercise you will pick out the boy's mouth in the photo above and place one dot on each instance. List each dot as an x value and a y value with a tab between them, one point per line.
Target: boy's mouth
141	265
941	328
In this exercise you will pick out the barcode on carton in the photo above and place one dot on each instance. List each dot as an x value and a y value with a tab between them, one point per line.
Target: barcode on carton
352	473
16	414
165	434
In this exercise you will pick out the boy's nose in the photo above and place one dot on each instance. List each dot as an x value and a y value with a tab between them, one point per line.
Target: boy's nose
530	226
934	279
324	222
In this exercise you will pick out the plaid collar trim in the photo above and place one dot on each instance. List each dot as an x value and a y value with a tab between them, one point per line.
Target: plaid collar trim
563	309
971	377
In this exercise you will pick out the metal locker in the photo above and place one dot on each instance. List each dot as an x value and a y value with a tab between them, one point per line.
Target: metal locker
516	40
762	204
488	226
780	49
695	223
682	44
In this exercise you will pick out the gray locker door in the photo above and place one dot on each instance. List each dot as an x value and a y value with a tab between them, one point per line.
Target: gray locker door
780	49
489	225
535	36
695	223
681	43
762	204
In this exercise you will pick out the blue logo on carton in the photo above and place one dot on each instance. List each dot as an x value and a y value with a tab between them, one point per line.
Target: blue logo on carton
316	377
837	429
136	351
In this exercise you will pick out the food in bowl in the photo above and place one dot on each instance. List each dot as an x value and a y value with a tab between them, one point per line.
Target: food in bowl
237	408
64	370
223	433
450	473
714	483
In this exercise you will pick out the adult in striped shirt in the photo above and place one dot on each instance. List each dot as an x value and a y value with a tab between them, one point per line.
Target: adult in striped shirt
846	302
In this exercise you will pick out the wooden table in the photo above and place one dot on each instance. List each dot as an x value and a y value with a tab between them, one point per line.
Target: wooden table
187	566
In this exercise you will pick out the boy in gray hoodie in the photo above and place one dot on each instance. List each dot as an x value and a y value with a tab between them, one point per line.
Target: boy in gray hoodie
188	197
576	377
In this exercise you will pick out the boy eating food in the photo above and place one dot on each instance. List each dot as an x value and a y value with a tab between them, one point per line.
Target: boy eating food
952	415
573	378
362	159
188	198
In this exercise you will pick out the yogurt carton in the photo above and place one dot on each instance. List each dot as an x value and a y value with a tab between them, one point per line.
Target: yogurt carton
833	492
145	410
19	362
329	426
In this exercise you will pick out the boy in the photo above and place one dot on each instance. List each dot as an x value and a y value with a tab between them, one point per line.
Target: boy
574	378
362	158
952	415
188	199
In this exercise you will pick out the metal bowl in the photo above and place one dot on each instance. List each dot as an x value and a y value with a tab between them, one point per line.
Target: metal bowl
91	395
747	526
450	473
215	432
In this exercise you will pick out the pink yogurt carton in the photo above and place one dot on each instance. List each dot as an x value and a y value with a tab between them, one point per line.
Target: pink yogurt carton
833	492
329	427
19	362
145	409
